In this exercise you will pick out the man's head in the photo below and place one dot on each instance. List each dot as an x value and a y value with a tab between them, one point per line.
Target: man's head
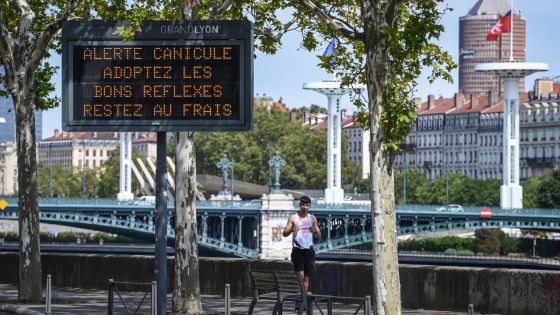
305	202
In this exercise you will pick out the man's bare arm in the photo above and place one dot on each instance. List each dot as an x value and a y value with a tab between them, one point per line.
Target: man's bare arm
315	229
289	228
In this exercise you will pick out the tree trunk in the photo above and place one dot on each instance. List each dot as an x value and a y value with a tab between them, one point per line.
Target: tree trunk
186	291
30	288
186	286
386	283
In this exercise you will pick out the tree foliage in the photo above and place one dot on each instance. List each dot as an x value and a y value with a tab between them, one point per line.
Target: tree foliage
488	241
548	190
66	182
109	175
461	190
303	150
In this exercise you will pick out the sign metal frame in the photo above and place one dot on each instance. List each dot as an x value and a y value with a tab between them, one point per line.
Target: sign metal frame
180	33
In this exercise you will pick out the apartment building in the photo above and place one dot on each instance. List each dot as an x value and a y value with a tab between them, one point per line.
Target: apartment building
74	149
8	169
463	135
358	151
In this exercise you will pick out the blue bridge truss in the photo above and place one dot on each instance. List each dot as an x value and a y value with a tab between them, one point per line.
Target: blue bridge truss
233	227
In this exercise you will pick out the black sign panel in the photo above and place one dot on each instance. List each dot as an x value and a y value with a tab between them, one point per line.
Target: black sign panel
194	76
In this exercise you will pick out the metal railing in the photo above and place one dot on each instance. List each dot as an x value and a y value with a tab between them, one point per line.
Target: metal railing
48	296
364	303
442	258
114	289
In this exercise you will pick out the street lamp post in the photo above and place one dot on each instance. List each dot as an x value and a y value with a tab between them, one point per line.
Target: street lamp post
277	162
404	177
83	143
224	164
444	145
268	148
50	170
2	121
232	163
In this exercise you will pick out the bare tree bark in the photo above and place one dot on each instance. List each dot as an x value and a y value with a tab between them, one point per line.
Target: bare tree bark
186	290
386	281
186	285
30	288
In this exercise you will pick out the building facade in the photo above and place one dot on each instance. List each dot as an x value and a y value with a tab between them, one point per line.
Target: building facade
146	145
91	149
358	151
475	49
463	135
8	129
8	169
77	149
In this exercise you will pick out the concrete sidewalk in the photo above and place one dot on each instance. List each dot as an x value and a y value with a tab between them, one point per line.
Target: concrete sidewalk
70	301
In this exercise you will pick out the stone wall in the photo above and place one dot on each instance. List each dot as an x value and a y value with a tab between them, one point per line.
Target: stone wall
497	291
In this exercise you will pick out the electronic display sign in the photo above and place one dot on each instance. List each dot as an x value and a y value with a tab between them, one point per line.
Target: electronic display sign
174	76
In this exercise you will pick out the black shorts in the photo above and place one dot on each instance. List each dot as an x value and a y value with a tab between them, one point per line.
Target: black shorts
304	260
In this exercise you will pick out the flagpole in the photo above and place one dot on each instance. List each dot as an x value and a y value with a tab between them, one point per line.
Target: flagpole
500	38
511	35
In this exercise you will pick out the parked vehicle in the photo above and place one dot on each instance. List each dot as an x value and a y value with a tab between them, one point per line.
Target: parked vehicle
455	208
451	208
145	201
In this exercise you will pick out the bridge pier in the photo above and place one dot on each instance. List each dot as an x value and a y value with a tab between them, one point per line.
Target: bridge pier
275	211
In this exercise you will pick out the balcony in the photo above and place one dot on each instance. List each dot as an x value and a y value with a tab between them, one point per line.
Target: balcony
407	146
539	161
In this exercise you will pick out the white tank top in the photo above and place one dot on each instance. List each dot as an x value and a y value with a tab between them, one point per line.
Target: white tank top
304	237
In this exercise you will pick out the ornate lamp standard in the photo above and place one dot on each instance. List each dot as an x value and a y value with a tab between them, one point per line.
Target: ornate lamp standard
50	169
224	165
232	165
83	143
269	151
277	162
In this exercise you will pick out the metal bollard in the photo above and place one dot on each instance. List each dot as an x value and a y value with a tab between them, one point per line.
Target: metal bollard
227	307
110	297
308	303
367	305
471	309
48	295
154	298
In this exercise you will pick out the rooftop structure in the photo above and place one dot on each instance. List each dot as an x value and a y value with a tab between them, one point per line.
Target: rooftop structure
475	49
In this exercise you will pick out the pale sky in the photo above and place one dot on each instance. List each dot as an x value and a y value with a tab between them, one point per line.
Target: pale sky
283	74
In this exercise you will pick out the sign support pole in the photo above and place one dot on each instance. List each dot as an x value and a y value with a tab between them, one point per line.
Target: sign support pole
161	224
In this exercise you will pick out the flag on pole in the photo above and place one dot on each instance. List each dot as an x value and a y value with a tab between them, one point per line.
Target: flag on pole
329	51
503	26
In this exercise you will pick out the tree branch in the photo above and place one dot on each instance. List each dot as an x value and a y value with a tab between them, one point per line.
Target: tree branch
270	33
331	22
392	11
219	9
45	37
7	54
6	48
27	17
341	21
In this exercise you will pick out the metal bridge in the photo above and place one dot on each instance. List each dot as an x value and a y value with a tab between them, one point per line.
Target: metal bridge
234	226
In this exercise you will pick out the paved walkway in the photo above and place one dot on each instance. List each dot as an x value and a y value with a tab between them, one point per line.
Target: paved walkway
70	301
